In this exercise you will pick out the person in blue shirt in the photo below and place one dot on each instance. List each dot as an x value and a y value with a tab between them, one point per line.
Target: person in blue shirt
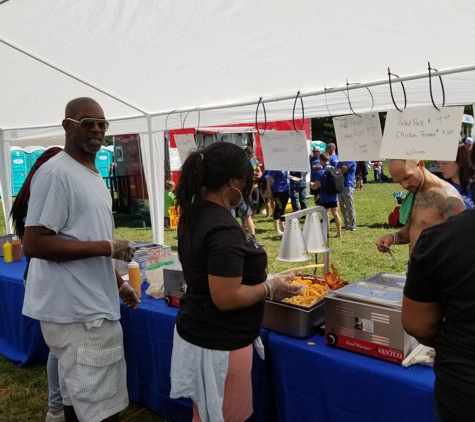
331	149
460	174
327	201
347	204
298	190
314	167
278	188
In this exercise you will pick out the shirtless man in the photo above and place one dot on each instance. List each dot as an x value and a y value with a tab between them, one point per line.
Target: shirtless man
435	201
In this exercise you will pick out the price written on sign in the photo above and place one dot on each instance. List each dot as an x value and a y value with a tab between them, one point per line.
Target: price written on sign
285	150
184	144
358	138
175	162
422	134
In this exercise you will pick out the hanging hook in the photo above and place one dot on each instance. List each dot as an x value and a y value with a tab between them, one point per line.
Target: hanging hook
326	103
391	89
430	88
166	120
265	116
349	102
303	112
184	120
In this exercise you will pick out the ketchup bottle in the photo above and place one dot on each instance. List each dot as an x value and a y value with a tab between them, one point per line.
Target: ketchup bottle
16	249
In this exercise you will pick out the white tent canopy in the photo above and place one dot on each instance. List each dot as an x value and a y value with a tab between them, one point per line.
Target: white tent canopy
144	59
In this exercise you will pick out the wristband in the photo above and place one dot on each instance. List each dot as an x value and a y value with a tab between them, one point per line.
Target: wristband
394	238
122	285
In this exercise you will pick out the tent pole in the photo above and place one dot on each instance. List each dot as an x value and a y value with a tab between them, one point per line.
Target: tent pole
156	189
322	91
5	181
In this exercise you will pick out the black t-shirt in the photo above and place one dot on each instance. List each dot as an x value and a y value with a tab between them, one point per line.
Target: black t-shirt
218	246
442	268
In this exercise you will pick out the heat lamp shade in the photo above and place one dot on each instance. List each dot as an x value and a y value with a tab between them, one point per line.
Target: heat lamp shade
292	247
314	238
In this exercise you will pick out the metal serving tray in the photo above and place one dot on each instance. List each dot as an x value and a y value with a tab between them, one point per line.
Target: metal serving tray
373	293
391	280
294	320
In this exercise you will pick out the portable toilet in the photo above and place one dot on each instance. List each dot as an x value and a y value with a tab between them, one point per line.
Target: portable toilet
103	161
20	168
33	153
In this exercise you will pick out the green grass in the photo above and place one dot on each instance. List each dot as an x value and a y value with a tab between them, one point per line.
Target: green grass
24	391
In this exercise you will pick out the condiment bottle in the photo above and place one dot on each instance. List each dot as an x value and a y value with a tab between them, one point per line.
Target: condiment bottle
16	248
135	279
7	252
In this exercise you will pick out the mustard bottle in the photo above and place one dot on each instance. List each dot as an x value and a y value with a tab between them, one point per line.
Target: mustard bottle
7	252
135	279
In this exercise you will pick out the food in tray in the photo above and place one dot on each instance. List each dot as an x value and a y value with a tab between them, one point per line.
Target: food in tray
317	287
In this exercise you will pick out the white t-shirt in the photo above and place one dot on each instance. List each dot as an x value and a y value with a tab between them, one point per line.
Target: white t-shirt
74	202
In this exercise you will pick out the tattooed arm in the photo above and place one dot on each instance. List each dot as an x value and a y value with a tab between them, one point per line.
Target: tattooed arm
402	238
449	205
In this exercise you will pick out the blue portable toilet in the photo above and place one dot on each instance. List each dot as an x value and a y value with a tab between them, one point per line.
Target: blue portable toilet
33	153
20	168
103	161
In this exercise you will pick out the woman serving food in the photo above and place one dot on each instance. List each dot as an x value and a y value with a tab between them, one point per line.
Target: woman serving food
225	271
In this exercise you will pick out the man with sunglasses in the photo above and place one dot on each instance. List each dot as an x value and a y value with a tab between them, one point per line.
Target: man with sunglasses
72	286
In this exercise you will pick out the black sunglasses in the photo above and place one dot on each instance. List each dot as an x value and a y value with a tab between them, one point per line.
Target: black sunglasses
88	123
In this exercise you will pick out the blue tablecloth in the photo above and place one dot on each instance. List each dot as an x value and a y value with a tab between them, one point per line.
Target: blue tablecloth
21	339
296	382
323	383
148	341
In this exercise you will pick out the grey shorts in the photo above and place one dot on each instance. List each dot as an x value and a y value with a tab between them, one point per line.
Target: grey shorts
92	370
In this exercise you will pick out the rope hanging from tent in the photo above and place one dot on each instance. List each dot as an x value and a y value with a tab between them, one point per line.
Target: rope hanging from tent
326	103
348	96
265	116
391	89
430	87
293	112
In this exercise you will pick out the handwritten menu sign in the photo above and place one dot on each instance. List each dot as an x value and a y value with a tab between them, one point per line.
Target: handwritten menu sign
175	162
358	138
185	143
422	134
285	150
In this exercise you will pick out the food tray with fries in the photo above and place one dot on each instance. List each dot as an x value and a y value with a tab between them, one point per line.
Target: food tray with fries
302	315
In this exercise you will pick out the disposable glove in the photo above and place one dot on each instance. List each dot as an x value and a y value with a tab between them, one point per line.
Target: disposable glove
280	288
122	249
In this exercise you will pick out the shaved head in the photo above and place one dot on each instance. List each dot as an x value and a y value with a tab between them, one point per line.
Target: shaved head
73	106
408	173
406	165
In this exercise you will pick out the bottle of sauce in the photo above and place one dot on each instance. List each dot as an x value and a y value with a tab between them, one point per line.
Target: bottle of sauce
16	249
7	252
135	279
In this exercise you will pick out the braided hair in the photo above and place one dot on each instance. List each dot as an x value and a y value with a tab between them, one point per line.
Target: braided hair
20	206
210	168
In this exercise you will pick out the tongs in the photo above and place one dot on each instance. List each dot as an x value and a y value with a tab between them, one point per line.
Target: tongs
391	254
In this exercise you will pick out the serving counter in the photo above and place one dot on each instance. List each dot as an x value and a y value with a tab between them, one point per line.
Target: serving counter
298	381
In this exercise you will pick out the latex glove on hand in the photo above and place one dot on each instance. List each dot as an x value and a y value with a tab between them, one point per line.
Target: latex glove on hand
128	295
280	288
122	249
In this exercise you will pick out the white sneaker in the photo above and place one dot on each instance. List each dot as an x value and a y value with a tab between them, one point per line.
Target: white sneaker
55	417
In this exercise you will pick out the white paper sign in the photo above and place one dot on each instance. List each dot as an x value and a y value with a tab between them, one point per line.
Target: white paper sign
185	143
175	162
422	134
285	150
358	138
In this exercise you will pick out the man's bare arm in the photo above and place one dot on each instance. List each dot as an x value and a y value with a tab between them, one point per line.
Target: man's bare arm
449	206
447	201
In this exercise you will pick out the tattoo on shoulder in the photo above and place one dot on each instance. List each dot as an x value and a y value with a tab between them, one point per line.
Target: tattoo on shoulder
450	206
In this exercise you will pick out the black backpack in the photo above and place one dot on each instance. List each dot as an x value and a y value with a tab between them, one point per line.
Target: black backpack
333	182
